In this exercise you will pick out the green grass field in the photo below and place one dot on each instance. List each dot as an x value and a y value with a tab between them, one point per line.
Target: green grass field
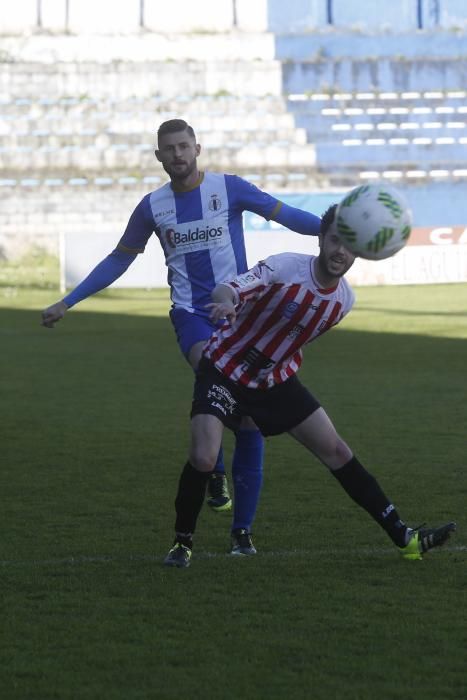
95	430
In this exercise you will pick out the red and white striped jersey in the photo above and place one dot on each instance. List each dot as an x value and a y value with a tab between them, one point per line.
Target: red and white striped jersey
279	308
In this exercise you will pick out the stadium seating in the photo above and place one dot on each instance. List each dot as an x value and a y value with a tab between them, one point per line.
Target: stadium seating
323	137
57	137
416	133
314	113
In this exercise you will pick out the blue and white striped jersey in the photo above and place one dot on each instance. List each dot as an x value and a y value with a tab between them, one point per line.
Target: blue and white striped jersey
200	231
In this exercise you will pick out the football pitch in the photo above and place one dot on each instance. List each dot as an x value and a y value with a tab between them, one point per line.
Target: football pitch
95	430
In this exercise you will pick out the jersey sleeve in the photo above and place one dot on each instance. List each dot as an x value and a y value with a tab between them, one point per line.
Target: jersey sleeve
106	272
251	283
244	195
139	229
297	220
247	196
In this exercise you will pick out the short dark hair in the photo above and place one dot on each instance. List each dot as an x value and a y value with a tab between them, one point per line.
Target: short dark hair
327	218
173	125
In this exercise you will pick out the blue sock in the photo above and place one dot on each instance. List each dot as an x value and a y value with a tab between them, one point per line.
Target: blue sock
219	466
247	475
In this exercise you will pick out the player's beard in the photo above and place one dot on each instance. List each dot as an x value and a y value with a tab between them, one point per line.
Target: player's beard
178	174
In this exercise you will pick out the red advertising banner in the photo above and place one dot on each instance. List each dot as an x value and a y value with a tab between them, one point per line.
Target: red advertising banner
439	235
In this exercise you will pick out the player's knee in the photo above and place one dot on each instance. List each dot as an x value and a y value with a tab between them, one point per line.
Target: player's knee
203	460
336	453
343	452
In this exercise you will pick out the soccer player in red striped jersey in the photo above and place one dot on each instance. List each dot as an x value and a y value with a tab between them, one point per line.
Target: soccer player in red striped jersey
283	307
249	367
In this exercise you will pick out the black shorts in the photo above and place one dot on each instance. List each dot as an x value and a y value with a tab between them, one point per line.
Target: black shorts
274	411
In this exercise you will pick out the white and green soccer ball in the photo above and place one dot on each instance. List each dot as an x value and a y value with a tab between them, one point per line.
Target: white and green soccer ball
374	221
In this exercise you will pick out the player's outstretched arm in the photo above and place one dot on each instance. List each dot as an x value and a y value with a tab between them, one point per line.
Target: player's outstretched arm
106	272
249	198
297	220
54	313
137	233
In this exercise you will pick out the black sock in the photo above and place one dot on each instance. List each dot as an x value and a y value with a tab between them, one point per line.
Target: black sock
363	488
189	501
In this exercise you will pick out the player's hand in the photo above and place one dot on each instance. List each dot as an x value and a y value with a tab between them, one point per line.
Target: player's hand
53	313
224	309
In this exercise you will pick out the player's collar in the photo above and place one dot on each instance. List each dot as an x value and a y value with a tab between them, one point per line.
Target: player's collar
180	188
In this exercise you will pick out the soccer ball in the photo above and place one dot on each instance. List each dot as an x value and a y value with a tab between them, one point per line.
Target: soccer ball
374	221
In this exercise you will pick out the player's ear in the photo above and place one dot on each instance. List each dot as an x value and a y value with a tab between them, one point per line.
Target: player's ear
198	149
157	153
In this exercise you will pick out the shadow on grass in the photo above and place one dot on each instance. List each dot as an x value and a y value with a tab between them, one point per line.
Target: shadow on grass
127	373
104	345
95	427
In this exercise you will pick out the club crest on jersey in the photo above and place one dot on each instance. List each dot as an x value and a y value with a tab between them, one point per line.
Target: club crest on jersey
290	309
214	203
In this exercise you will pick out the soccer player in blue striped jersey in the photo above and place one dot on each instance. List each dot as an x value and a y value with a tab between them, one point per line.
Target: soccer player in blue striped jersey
197	217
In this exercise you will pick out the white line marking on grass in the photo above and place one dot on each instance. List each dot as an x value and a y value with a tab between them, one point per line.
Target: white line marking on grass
157	558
